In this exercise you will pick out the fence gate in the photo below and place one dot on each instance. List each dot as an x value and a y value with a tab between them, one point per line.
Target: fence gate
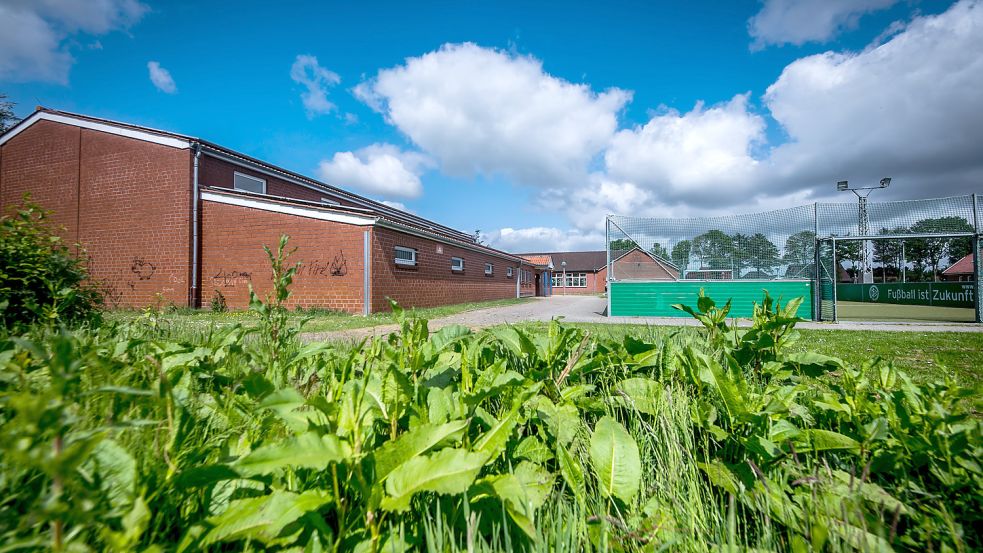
825	288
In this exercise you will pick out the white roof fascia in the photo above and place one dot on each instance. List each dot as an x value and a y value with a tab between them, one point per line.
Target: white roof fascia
310	213
96	126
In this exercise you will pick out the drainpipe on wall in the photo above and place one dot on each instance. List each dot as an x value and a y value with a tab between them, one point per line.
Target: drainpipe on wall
195	224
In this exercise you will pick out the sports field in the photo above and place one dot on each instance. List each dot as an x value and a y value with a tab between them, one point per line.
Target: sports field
859	311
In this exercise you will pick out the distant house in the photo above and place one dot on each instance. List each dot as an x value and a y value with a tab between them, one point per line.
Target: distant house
960	271
586	272
709	274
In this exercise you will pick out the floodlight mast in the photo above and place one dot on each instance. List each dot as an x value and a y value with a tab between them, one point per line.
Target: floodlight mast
863	223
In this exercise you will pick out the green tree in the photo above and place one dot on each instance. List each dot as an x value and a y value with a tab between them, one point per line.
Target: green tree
715	249
889	252
680	253
622	245
7	117
848	250
761	253
800	247
929	252
659	251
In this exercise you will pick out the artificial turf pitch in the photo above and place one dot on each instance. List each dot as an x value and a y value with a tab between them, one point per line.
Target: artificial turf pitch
858	311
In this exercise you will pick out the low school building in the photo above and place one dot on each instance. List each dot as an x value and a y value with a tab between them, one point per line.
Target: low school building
171	216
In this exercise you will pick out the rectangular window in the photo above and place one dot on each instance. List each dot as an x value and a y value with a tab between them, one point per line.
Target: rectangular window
573	280
457	264
405	256
489	268
248	183
508	272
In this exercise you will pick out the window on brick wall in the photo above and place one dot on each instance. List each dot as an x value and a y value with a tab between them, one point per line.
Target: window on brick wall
248	183
508	272
573	280
405	256
489	268
457	264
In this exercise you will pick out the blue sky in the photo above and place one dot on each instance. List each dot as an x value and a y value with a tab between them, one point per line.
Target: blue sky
531	120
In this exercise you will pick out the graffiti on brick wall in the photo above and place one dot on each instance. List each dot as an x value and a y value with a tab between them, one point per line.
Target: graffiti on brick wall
231	279
142	269
322	268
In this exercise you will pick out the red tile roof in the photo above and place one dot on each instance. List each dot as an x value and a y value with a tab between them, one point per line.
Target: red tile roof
962	267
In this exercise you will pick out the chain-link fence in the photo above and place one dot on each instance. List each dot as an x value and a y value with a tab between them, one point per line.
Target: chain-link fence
828	243
781	244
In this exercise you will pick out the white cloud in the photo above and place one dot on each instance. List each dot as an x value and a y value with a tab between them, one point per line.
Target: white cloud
396	205
800	21
380	169
543	239
34	34
685	156
317	80
161	78
909	108
484	111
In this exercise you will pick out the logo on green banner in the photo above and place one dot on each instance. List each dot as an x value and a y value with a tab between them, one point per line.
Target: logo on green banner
874	293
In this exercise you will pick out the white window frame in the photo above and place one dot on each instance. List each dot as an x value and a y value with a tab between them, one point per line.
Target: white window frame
407	262
508	272
489	269
250	177
457	264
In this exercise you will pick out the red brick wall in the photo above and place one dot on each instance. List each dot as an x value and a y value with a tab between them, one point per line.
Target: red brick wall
127	201
220	173
638	265
44	160
331	274
431	282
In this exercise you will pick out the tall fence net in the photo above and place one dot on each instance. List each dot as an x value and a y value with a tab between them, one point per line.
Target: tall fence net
829	243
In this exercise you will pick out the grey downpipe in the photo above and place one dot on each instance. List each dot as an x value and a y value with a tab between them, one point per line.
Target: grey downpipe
195	224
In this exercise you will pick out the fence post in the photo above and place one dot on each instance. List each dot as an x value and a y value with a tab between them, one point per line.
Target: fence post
607	251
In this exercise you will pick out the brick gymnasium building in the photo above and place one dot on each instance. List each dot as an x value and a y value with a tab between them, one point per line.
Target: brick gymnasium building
163	213
586	272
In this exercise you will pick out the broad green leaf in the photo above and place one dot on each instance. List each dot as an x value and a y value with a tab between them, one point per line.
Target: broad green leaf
641	394
813	364
307	450
614	455
262	518
449	471
533	449
573	473
117	472
714	375
720	475
822	440
514	340
421	439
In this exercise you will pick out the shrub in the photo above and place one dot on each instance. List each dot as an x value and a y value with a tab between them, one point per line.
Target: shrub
41	279
217	303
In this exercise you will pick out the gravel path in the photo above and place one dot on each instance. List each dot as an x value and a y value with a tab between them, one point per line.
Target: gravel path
590	309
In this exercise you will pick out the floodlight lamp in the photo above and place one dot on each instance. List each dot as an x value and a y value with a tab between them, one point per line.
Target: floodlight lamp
885	182
841	186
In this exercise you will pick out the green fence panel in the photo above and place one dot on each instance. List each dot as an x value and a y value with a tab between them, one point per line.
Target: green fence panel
655	299
939	294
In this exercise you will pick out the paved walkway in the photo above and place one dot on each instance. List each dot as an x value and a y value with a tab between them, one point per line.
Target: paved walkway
590	309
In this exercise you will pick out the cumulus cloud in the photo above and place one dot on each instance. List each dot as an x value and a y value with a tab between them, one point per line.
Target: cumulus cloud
909	108
34	34
685	156
317	80
800	21
484	111
381	169
161	78
543	239
396	205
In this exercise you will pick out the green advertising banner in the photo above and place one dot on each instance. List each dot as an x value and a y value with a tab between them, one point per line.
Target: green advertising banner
940	294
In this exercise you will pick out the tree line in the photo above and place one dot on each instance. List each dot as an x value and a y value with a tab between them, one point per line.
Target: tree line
717	250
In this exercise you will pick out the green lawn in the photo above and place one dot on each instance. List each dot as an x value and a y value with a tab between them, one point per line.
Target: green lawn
185	321
860	311
924	355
